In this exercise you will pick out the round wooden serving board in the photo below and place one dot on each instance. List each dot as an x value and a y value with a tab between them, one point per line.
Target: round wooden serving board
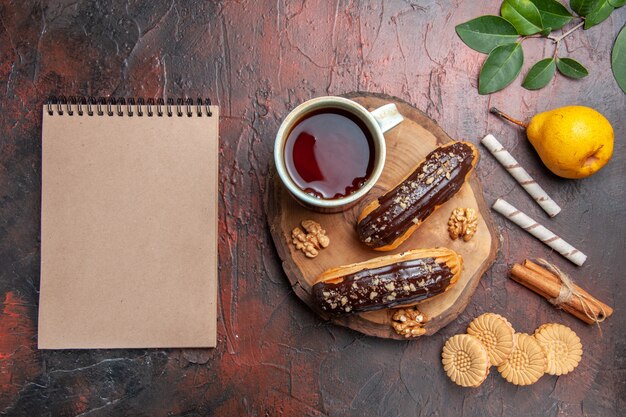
407	145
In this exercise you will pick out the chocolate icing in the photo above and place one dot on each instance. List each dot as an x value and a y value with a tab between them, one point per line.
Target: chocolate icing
434	182
386	286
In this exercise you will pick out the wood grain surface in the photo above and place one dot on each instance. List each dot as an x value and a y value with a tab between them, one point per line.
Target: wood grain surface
258	60
407	145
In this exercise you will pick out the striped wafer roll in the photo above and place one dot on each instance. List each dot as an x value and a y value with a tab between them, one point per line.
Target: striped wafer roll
521	175
540	232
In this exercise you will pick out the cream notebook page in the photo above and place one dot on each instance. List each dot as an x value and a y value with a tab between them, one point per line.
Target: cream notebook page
129	230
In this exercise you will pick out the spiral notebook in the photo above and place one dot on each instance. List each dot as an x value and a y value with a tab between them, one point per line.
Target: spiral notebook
128	224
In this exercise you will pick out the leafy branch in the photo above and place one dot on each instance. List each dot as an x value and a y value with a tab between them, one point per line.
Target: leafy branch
501	37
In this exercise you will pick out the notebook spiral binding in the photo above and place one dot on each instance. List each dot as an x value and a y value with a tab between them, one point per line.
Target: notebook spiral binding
115	106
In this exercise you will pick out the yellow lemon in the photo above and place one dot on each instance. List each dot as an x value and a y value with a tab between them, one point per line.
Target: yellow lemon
573	141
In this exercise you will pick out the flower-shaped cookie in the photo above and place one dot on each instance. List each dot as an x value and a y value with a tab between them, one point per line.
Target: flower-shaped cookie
465	360
496	335
526	363
562	347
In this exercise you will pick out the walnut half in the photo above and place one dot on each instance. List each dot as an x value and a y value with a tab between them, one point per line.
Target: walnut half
302	242
462	224
311	242
408	322
314	229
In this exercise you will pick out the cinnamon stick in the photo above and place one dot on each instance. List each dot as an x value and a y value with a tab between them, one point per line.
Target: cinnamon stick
591	299
545	287
543	282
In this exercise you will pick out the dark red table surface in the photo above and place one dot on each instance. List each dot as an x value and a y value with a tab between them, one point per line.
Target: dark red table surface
258	60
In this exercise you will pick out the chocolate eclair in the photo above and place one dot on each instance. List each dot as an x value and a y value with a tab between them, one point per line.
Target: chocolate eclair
387	281
388	221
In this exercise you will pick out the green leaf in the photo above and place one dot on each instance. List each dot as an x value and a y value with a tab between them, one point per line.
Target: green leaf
486	32
571	68
599	14
553	13
618	59
540	74
617	3
545	32
523	15
501	67
583	7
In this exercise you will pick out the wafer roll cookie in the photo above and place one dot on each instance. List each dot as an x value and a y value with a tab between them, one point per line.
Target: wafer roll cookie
521	175
540	232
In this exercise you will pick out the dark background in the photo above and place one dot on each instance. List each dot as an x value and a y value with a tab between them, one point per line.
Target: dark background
257	60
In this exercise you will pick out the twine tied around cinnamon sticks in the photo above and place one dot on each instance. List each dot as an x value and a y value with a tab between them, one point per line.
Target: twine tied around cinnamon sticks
559	289
568	291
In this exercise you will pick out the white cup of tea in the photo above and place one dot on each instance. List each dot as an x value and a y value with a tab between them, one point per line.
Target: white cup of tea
330	151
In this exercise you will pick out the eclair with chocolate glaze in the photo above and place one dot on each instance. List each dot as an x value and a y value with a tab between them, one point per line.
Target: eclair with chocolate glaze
387	281
389	220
